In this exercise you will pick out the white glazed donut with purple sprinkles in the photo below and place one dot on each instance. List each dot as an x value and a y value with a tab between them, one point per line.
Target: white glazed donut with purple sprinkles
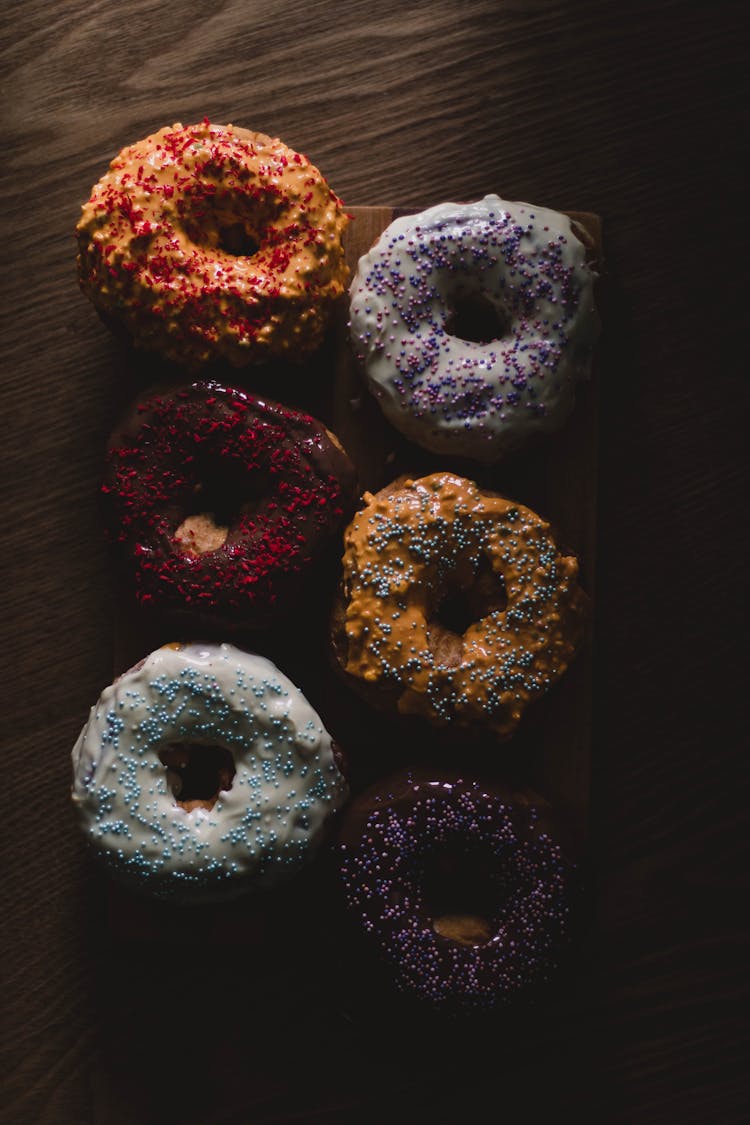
474	322
202	773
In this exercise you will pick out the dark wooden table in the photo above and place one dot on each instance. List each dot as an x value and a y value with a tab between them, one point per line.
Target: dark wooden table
631	112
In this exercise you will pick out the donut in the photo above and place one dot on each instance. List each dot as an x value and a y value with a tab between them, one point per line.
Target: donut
209	241
455	605
464	887
220	504
204	773
474	322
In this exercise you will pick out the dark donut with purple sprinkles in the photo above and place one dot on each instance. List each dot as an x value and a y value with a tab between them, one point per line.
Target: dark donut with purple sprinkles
461	884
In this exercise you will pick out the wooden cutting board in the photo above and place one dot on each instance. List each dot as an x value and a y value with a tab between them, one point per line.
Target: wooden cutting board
552	750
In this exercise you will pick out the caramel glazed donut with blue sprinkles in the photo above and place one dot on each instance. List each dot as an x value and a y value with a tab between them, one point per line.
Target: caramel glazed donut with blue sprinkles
455	605
202	773
474	322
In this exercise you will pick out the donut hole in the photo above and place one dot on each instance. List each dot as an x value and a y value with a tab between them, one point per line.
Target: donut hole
226	224
463	602
196	773
235	239
462	892
219	500
229	492
476	318
200	534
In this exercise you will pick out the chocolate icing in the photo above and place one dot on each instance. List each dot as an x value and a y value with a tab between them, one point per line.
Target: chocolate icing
272	480
464	885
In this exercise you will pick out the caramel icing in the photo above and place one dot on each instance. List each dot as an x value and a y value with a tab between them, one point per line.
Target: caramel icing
210	240
414	543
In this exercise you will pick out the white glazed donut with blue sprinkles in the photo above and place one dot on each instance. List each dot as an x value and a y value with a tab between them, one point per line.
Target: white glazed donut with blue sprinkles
474	322
202	773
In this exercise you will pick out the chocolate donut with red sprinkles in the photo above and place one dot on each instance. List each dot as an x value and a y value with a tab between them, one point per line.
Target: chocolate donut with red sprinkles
464	886
221	504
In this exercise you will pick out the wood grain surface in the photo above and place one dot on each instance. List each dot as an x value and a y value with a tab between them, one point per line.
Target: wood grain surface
631	112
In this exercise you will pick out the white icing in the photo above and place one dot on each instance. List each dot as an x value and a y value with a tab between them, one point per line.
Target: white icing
261	830
479	400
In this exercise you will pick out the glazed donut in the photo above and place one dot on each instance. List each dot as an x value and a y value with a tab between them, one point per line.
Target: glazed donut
455	604
474	322
221	503
210	241
192	709
460	884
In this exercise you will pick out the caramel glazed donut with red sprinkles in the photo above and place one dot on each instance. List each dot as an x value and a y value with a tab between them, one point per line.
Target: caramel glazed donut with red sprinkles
209	241
222	504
